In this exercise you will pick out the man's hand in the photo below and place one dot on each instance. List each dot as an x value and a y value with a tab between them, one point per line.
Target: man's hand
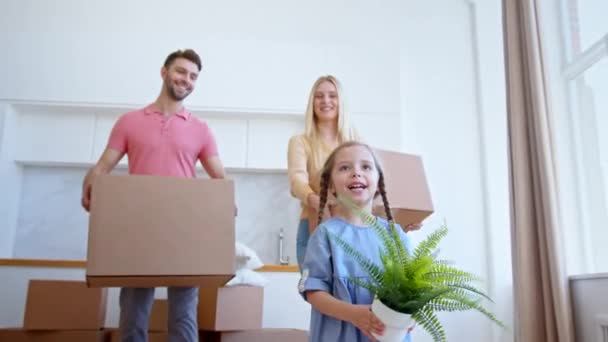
85	201
106	163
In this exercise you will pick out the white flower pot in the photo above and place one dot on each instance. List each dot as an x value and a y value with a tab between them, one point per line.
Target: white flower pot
395	323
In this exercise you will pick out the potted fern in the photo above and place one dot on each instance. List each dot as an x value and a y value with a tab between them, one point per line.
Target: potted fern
414	285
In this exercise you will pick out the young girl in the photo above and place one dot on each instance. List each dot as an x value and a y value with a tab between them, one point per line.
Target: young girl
340	308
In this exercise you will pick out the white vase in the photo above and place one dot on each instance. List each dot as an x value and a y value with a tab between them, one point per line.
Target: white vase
395	323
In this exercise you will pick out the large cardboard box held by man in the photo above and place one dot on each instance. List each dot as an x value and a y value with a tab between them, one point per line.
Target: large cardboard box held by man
406	187
147	231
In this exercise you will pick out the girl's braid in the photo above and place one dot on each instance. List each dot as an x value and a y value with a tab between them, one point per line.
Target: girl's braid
323	193
382	190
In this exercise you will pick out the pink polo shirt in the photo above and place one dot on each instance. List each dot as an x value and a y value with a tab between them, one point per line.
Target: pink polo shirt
162	146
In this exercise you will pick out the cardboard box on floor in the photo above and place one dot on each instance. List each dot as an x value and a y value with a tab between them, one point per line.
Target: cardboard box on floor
20	335
153	336
64	305
159	316
406	186
257	335
147	231
230	308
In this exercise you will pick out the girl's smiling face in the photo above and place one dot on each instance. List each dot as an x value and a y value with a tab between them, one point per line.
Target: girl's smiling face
354	175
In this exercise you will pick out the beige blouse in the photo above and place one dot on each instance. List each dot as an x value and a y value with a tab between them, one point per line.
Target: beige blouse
304	169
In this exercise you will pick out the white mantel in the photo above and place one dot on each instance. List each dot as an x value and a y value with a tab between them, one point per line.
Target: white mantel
76	134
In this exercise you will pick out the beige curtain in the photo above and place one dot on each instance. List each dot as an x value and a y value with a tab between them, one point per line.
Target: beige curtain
542	306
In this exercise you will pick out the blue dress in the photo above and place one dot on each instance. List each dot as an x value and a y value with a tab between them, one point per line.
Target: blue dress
327	268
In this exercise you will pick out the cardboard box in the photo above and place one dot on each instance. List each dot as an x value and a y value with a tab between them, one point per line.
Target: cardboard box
230	308
258	335
148	231
114	336
64	305
19	335
159	316
406	186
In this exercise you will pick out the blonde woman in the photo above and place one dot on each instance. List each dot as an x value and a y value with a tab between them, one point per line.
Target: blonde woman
326	127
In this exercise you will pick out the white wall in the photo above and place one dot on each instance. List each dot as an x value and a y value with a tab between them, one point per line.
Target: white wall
492	121
453	109
423	77
10	181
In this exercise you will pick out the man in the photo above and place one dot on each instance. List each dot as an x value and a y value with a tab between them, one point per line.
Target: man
161	139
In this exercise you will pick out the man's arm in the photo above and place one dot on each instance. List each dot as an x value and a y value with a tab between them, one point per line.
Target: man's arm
214	167
106	163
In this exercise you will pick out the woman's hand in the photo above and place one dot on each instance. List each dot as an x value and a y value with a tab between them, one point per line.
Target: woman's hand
313	200
412	227
365	320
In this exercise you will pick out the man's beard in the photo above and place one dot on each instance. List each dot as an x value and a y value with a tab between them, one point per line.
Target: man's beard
174	96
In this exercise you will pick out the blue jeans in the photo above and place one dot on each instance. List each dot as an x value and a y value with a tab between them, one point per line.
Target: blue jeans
135	307
302	241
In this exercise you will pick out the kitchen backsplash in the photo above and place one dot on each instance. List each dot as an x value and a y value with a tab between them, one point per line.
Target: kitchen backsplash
53	225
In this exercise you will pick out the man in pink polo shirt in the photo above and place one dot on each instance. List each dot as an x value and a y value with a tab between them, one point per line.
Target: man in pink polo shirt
161	139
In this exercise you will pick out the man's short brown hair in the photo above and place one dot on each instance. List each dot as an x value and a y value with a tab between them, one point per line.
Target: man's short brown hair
188	54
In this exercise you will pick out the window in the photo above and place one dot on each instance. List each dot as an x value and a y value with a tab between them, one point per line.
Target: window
585	73
585	22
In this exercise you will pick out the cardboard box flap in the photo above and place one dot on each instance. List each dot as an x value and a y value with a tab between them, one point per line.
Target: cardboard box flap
159	281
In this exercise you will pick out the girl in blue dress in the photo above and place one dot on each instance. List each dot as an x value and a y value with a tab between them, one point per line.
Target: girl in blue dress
340	308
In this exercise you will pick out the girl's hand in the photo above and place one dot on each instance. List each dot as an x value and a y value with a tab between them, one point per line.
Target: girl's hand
412	227
365	320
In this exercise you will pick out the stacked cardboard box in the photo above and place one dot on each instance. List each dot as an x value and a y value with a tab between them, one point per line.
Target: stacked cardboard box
256	335
61	311
153	336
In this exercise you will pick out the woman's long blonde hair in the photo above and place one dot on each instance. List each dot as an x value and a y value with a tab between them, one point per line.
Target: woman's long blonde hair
345	131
